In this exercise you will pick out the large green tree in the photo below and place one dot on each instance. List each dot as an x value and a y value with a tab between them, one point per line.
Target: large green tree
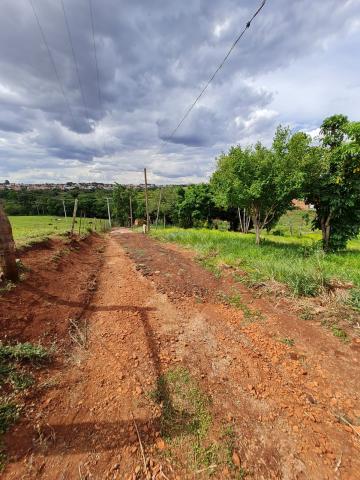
196	207
262	180
333	182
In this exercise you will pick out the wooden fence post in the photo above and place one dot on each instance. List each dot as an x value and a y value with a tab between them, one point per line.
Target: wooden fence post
146	204
74	216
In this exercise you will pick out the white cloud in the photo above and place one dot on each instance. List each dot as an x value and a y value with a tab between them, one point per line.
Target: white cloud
291	67
222	27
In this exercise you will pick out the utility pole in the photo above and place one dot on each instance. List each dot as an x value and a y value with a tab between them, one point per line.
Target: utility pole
108	208
74	216
158	209
131	212
63	202
146	204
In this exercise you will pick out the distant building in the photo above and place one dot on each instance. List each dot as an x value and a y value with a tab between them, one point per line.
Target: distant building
301	205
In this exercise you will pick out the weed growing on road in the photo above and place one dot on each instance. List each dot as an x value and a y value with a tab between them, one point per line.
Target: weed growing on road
237	302
306	314
186	417
290	342
339	333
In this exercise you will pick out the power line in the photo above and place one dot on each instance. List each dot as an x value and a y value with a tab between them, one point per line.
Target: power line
217	70
95	55
74	58
52	62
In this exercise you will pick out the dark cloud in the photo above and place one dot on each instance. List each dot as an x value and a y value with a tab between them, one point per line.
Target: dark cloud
154	58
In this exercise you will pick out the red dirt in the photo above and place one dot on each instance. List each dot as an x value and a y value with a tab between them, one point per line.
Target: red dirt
32	311
159	309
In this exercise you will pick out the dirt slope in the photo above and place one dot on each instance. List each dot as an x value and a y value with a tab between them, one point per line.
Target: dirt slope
273	409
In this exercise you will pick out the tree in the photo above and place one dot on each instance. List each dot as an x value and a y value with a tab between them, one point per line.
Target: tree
196	207
121	200
261	180
333	182
7	248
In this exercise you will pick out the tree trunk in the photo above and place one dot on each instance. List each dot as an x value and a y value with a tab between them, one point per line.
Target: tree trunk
325	230
7	249
257	229
241	224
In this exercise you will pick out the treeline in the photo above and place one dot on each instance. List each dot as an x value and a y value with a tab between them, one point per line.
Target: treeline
253	186
250	189
50	202
191	206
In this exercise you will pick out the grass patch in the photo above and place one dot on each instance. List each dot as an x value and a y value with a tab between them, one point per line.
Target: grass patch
21	380
306	314
23	351
3	460
290	342
9	413
36	228
186	417
339	333
187	427
353	300
237	302
297	262
185	407
16	362
6	286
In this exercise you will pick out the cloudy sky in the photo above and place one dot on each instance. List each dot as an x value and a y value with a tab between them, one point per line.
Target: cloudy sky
298	63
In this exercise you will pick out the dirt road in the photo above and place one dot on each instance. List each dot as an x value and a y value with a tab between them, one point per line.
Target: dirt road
167	381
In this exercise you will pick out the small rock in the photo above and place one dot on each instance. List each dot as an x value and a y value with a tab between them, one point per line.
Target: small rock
160	443
236	459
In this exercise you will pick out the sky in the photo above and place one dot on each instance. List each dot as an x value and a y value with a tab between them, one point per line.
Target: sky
62	119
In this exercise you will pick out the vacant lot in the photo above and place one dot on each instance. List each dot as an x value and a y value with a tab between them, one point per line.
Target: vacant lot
32	229
297	262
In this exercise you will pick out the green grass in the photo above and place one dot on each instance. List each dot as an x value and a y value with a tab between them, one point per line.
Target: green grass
290	342
188	426
9	413
339	333
185	407
237	302
16	363
33	229
295	223
185	418
23	351
295	261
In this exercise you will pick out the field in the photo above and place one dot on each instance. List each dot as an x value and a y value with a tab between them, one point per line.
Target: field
32	229
295	261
